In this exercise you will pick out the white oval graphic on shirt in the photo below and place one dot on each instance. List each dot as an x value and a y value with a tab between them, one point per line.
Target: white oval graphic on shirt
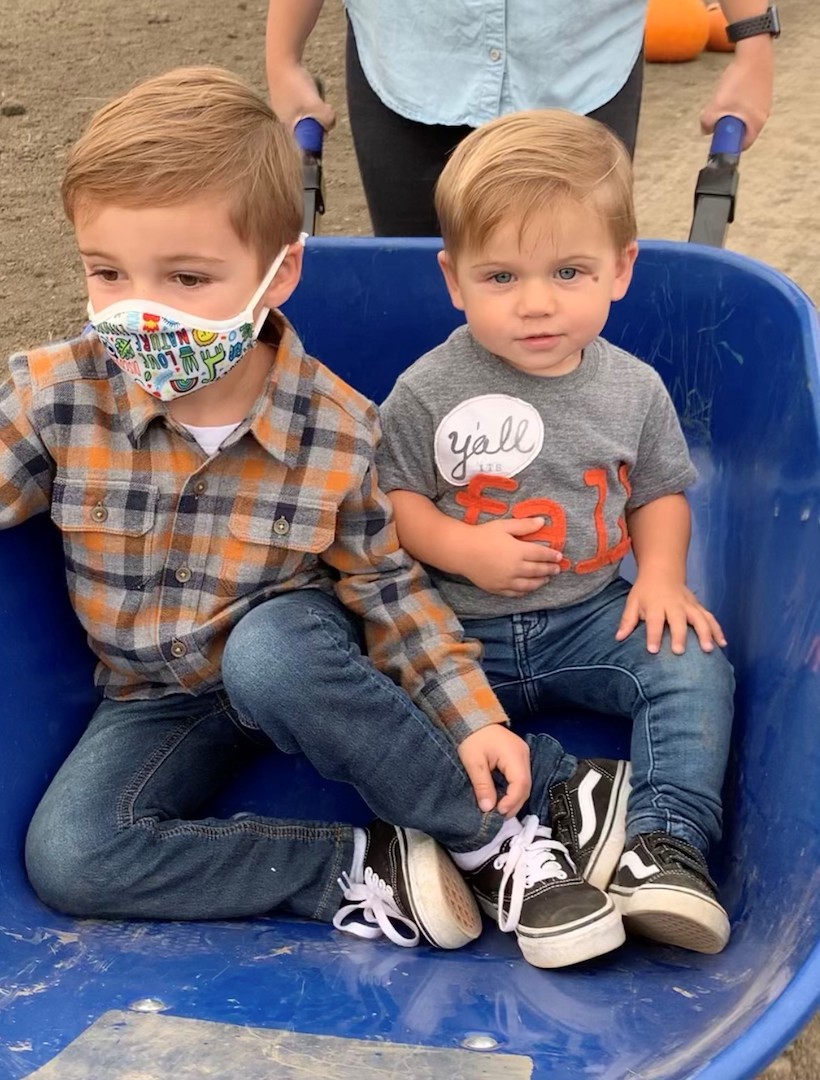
494	433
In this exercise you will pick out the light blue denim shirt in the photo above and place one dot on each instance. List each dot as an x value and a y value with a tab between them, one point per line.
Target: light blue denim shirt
468	61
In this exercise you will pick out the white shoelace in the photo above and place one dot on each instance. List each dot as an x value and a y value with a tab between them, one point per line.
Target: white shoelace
372	911
529	859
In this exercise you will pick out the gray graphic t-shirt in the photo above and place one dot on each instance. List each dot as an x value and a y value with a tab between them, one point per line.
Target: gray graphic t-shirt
483	440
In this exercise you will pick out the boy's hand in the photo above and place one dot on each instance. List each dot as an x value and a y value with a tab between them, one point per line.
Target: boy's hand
499	562
657	601
496	747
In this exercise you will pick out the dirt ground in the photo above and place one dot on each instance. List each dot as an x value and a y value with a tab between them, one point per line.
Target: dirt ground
59	61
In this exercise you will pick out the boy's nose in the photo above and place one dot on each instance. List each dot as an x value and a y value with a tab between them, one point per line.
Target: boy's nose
536	298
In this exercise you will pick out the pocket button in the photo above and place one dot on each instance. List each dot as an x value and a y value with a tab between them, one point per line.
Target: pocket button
99	513
178	648
281	526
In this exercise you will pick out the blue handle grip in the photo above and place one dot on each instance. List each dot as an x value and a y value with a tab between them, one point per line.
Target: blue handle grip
728	136
310	135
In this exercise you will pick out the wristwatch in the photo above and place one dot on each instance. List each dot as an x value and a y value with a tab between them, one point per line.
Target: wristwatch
758	24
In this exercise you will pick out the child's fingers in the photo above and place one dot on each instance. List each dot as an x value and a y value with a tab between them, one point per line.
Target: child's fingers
678	630
715	628
706	628
481	778
517	773
537	571
655	622
538	553
629	620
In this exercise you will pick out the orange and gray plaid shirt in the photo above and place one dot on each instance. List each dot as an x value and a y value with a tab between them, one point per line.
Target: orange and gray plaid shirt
166	548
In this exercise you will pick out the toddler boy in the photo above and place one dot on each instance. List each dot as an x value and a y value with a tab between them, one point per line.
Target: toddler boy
524	457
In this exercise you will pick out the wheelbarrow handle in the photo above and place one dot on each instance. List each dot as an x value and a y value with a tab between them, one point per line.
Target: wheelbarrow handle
716	189
310	135
727	137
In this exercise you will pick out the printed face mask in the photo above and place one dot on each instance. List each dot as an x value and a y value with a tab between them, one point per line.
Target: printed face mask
170	353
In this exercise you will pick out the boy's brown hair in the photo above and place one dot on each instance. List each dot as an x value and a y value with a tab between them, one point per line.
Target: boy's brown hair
528	162
188	133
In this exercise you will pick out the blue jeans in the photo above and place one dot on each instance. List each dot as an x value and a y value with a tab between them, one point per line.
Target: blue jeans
116	834
681	706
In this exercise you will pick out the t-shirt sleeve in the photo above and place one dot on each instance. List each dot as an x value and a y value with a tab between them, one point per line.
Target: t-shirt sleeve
663	465
405	458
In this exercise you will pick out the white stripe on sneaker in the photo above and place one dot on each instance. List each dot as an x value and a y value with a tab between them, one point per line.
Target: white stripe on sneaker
636	867
588	818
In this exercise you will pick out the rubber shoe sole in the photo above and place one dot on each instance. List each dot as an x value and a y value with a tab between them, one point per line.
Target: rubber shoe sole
441	903
603	862
566	945
675	916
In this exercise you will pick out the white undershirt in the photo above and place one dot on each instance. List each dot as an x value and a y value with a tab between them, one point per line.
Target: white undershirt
211	438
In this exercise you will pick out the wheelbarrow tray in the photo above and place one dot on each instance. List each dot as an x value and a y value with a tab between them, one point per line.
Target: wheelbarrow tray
737	345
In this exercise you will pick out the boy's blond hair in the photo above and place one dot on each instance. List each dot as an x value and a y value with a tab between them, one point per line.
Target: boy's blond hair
528	162
189	133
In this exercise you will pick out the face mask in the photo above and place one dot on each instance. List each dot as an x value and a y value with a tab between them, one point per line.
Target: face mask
170	353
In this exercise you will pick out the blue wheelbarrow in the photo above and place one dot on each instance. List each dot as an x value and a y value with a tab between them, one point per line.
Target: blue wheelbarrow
738	346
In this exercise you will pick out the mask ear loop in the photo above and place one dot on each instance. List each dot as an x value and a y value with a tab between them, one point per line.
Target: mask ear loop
265	283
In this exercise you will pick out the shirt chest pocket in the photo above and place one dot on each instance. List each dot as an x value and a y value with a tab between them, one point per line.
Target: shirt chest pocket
108	527
272	541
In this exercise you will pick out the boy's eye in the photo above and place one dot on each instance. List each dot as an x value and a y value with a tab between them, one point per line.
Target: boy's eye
104	274
189	281
567	273
503	277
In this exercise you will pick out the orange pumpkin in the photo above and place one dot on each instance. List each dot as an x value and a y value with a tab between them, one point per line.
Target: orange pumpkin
718	42
676	30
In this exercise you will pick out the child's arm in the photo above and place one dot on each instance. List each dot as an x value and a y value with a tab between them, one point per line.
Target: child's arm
416	639
660	532
491	555
26	467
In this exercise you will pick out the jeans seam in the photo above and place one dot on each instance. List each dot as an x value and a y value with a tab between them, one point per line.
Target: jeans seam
333	878
636	681
128	796
234	828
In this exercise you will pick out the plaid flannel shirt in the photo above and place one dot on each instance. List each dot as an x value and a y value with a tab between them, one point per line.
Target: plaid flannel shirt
166	549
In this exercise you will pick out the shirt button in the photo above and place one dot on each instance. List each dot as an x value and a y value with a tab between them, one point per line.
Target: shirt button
281	526
99	513
199	487
183	574
495	54
178	648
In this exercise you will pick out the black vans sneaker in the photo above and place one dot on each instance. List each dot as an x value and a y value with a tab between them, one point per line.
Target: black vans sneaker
531	886
663	889
410	889
588	816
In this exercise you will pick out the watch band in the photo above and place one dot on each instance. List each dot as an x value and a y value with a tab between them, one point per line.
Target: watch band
758	24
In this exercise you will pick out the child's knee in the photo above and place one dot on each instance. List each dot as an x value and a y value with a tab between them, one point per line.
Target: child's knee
64	865
697	671
280	647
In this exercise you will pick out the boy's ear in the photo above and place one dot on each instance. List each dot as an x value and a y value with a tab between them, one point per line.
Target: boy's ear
623	270
287	278
450	279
